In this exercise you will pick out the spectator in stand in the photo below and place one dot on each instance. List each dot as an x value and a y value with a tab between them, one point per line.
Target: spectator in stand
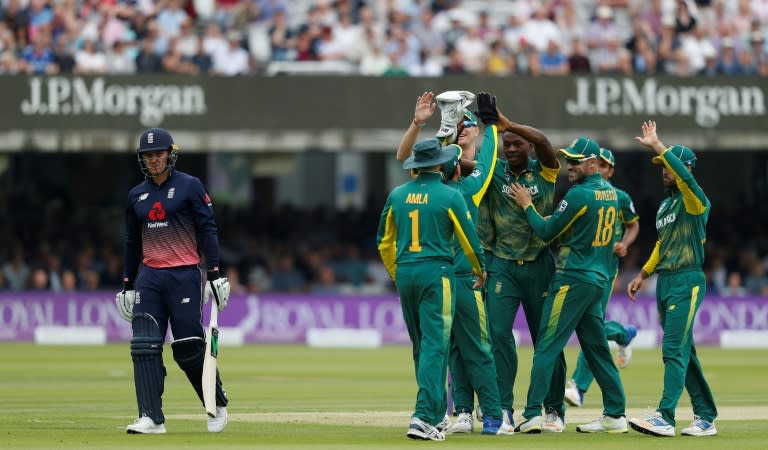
696	45
37	57
500	61
601	32
120	59
270	9
62	56
455	65
734	287
38	280
286	277
16	271
578	62
757	281
747	62
40	16
727	63
187	40
281	38
235	60
147	61
90	60
551	62
473	50
539	31
373	61
68	281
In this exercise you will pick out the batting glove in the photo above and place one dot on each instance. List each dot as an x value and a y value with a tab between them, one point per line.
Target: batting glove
218	288
486	108
125	300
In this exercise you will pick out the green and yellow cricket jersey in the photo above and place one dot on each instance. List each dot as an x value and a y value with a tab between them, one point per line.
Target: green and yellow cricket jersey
584	221
419	221
627	215
680	222
503	227
473	188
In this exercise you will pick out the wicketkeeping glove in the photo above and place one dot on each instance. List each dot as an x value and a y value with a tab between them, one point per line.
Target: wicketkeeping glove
486	108
125	300
218	288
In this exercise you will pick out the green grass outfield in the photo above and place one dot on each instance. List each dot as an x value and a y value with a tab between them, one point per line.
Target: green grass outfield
296	397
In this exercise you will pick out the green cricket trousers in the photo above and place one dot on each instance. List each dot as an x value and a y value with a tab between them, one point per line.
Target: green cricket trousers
471	359
678	297
511	283
614	331
571	305
427	299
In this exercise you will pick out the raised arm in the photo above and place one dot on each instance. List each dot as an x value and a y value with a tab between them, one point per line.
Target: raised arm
423	111
694	199
545	153
549	229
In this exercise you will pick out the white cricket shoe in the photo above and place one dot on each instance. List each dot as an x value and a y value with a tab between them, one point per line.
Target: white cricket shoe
443	425
464	424
624	352
654	425
145	425
605	424
506	417
553	423
532	426
699	427
418	429
572	395
217	424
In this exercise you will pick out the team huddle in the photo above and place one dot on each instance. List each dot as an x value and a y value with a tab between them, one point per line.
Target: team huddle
467	242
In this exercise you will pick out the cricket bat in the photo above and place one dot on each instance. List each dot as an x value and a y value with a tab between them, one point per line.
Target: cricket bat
209	364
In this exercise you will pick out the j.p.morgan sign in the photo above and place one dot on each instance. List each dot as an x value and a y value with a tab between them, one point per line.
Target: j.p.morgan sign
98	96
629	97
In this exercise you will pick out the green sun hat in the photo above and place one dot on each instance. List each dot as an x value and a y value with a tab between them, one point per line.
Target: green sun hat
581	149
429	153
683	153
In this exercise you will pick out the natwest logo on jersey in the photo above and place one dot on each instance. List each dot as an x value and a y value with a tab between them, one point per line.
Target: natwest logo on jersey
156	216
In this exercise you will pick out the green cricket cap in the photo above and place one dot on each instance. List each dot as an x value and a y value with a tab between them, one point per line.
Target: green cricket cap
681	152
607	156
581	149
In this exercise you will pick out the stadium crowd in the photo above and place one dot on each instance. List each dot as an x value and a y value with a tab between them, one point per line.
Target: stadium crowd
392	37
318	251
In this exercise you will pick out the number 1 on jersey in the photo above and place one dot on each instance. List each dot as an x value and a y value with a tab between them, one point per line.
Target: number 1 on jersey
414	247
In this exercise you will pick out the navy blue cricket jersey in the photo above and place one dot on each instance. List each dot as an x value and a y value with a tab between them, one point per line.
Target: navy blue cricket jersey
167	225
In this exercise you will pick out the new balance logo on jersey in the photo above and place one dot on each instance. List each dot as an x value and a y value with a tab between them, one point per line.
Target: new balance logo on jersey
475	173
143	196
185	300
664	221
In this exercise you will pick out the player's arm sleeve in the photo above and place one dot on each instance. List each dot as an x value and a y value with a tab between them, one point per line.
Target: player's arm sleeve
694	199
486	230
205	224
629	218
386	239
477	183
133	247
650	266
464	231
549	173
569	210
